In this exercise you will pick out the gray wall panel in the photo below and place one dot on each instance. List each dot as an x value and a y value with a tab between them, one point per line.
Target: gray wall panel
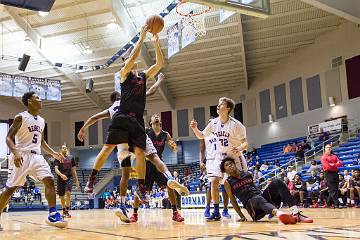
333	87
199	115
55	132
93	134
280	101
183	123
296	96
251	113
314	92
265	105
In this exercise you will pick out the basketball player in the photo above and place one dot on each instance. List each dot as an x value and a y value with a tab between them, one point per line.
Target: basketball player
159	138
207	158
66	171
230	136
127	125
25	140
240	184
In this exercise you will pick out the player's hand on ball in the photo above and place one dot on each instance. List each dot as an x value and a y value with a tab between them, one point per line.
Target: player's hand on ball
81	135
143	31
18	160
193	124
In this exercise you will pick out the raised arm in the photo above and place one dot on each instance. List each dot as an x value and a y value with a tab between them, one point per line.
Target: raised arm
154	69
197	132
129	63
93	119
10	140
233	201
156	85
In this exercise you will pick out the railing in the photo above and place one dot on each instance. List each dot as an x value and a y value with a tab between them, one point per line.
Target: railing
2	160
335	140
278	168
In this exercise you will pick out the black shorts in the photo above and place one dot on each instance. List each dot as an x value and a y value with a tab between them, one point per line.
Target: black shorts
127	129
153	175
64	186
258	207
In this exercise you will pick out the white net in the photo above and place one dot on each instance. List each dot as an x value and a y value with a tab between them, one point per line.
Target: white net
194	25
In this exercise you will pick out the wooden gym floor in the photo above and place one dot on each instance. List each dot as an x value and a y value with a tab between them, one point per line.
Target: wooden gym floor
157	224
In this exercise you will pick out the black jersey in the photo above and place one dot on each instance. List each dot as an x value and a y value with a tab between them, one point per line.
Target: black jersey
133	95
158	140
243	187
65	167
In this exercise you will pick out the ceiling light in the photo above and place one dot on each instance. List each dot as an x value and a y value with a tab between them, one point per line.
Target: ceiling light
43	14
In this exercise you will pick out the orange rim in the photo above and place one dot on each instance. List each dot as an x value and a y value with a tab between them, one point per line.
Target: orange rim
190	14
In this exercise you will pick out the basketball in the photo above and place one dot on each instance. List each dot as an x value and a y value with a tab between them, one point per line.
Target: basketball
155	23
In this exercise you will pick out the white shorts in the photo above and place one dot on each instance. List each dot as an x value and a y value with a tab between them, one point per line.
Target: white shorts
33	164
150	149
213	168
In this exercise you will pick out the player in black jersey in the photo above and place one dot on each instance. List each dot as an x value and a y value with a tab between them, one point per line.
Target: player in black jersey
127	127
159	138
240	184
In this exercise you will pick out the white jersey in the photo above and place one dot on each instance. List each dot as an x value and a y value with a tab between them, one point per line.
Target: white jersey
114	108
29	136
228	135
210	147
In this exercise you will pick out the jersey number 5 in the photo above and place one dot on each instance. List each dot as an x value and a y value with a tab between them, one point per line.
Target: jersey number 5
35	138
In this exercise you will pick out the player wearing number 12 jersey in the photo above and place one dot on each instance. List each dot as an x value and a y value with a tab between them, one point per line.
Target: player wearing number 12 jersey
230	137
25	140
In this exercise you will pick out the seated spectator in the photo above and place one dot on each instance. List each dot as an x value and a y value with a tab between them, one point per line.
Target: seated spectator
343	190
287	148
354	186
298	191
312	187
323	135
346	175
258	176
254	152
323	193
264	166
282	174
293	147
314	167
289	183
291	173
300	152
277	162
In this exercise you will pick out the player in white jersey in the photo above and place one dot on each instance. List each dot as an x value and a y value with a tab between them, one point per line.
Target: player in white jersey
231	139
25	140
123	154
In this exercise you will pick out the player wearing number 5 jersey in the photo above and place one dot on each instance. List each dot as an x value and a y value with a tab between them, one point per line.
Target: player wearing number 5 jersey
230	137
25	140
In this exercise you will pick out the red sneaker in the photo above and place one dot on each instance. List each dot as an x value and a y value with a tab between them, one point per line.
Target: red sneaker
315	205
302	218
287	219
134	218
177	216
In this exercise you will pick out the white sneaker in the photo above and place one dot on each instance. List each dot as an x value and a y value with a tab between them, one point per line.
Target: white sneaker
181	189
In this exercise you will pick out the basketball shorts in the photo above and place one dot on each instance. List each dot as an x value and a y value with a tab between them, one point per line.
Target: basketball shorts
34	165
64	186
153	175
127	129
213	168
258	207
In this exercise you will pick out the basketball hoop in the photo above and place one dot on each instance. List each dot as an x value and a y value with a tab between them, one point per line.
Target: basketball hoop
193	19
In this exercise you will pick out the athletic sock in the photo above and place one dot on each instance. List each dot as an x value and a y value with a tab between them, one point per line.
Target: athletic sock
168	175
94	172
216	208
136	210
174	208
352	201
341	201
294	209
52	210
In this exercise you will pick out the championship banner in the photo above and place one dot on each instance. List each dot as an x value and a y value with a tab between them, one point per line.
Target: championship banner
38	85
20	85
187	34
225	15
6	82
198	200
53	90
117	82
173	40
330	126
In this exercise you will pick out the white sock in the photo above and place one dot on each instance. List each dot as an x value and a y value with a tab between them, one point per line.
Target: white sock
348	200
294	209
168	175
341	200
352	201
278	213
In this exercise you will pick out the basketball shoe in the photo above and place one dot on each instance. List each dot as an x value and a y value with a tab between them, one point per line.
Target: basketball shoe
56	220
302	218
89	188
121	213
214	217
225	213
207	212
134	218
181	189
177	216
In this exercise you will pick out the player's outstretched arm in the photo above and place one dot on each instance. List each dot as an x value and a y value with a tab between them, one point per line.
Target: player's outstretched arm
91	120
129	63
10	140
156	85
154	69
233	201
171	143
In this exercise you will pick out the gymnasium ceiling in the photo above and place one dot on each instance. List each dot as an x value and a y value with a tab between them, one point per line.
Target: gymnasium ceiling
232	52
